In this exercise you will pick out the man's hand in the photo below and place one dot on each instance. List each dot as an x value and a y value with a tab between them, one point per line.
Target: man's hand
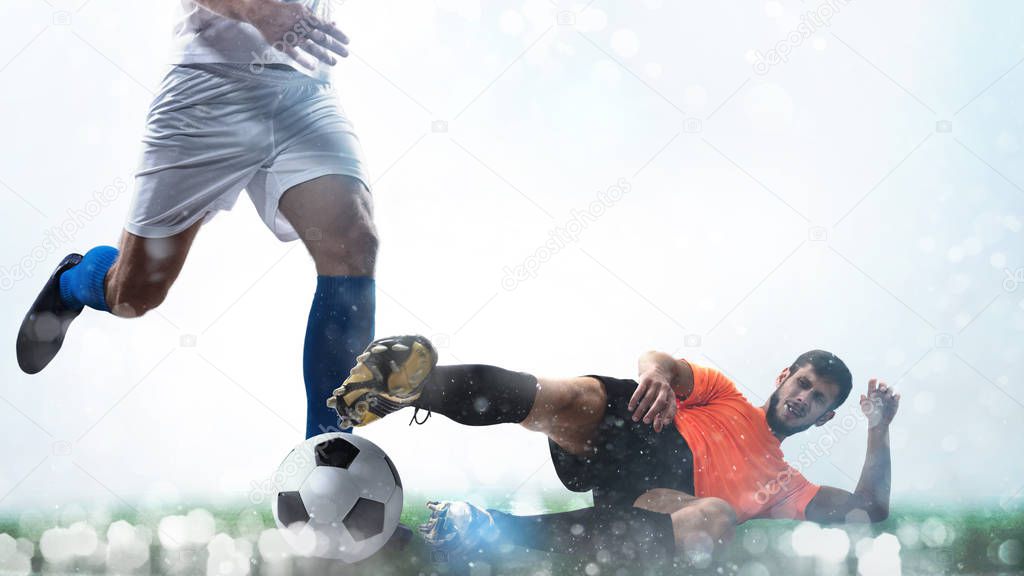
291	27
654	400
871	497
879	404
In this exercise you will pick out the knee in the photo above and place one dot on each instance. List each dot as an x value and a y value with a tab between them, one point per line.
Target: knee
349	250
703	527
580	402
134	298
568	411
662	500
720	517
590	397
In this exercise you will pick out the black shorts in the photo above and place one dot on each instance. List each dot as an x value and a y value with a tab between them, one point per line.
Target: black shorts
630	457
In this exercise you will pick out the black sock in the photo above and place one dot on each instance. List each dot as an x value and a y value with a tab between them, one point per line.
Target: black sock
478	395
625	532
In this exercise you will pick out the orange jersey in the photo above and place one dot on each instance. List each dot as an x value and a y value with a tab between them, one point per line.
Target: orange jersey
735	455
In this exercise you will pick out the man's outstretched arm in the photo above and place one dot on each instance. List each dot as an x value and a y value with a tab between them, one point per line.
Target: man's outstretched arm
662	380
872	493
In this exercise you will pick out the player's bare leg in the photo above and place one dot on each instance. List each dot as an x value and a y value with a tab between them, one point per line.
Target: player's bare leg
568	411
661	524
333	215
145	270
126	282
699	525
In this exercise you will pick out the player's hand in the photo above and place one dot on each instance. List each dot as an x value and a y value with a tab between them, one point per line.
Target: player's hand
879	404
654	400
294	29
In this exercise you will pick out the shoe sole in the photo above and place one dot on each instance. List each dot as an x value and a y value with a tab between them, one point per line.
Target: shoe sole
42	331
404	383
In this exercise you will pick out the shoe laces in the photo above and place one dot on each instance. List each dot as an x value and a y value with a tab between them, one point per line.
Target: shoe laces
416	411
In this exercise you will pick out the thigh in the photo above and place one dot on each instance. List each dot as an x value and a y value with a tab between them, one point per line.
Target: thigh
644	461
634	458
146	268
333	214
640	474
664	500
317	178
574	413
568	411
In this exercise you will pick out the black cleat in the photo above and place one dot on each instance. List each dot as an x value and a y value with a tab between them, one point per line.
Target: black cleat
42	331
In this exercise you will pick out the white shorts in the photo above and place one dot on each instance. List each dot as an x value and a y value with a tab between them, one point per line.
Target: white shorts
215	129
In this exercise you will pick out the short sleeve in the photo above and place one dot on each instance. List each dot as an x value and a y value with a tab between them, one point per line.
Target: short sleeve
708	385
793	504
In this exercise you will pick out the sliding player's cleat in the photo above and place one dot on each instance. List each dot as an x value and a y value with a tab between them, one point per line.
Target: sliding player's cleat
42	331
388	376
458	527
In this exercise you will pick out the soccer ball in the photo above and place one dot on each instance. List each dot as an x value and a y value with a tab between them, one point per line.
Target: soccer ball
339	496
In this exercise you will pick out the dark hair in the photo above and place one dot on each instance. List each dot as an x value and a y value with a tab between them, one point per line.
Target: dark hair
829	367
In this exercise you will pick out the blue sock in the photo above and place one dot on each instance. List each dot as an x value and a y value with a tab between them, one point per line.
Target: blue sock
83	285
339	328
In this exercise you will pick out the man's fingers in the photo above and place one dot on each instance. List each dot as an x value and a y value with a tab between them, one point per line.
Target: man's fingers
299	57
637	394
642	406
331	30
329	43
872	385
318	52
338	48
667	414
884	392
655	407
661	404
309	18
644	395
645	403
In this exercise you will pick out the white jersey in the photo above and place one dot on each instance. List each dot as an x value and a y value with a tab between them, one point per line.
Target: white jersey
204	37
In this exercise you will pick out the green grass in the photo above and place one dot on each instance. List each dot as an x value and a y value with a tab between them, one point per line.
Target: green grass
933	542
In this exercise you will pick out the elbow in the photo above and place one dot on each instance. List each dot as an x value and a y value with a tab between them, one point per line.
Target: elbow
651	355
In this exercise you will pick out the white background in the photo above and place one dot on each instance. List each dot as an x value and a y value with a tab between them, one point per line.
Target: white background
714	238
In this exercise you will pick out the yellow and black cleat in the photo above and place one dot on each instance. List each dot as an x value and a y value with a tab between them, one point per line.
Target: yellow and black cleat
388	376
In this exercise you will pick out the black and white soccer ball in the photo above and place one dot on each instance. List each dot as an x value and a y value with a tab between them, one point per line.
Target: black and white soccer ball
338	496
